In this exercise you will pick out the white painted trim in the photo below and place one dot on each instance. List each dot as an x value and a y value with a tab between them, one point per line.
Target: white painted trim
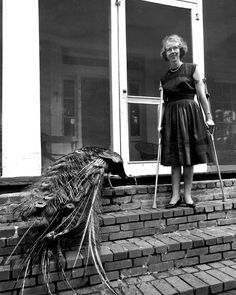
123	82
114	79
198	52
21	146
175	3
198	41
143	100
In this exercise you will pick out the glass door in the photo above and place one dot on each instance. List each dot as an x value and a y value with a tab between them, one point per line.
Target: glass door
142	26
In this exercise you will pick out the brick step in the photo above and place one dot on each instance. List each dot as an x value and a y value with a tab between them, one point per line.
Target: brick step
117	226
144	222
133	197
141	196
202	279
139	256
130	230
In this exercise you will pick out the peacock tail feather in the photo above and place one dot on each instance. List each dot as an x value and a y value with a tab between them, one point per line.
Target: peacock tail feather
67	197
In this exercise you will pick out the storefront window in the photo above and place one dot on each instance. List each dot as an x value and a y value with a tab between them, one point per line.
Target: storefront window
74	69
220	58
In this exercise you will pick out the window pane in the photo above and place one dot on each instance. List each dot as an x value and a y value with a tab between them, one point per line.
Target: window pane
220	58
75	96
147	24
143	132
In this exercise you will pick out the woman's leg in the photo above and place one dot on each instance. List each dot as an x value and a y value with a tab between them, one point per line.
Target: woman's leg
175	179
188	180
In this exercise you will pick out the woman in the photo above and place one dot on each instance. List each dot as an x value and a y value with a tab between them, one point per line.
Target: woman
184	140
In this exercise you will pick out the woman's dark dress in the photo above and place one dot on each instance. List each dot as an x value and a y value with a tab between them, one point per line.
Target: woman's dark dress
184	132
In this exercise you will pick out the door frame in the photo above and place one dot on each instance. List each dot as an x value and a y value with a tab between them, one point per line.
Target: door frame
120	98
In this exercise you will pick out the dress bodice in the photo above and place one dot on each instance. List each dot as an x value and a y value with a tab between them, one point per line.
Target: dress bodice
180	84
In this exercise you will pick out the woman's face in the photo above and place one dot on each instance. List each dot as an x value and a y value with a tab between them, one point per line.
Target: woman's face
172	51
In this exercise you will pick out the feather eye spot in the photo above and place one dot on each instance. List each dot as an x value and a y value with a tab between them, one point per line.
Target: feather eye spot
48	197
40	204
50	235
70	206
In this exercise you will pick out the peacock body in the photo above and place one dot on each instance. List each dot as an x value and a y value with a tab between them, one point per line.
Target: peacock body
67	197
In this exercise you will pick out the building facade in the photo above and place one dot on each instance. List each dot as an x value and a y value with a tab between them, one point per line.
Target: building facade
79	72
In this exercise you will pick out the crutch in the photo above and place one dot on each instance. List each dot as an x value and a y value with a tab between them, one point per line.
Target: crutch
213	144
159	146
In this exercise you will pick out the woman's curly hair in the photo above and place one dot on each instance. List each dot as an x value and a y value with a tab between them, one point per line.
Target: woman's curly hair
183	47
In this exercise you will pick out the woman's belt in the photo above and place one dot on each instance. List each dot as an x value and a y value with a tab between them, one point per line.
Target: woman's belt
182	97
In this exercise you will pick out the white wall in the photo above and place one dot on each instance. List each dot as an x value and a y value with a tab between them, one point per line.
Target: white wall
21	89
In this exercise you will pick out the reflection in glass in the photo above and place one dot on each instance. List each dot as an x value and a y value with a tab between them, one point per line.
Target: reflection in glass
74	56
134	117
143	131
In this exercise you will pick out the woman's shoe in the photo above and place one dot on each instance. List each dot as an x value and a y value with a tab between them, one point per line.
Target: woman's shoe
169	206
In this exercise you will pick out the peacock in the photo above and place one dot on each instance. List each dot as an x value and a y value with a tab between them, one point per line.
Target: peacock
67	198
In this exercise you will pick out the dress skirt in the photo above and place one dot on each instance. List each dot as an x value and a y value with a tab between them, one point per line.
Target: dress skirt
185	138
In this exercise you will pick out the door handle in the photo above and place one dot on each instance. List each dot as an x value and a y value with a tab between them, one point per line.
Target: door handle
124	93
